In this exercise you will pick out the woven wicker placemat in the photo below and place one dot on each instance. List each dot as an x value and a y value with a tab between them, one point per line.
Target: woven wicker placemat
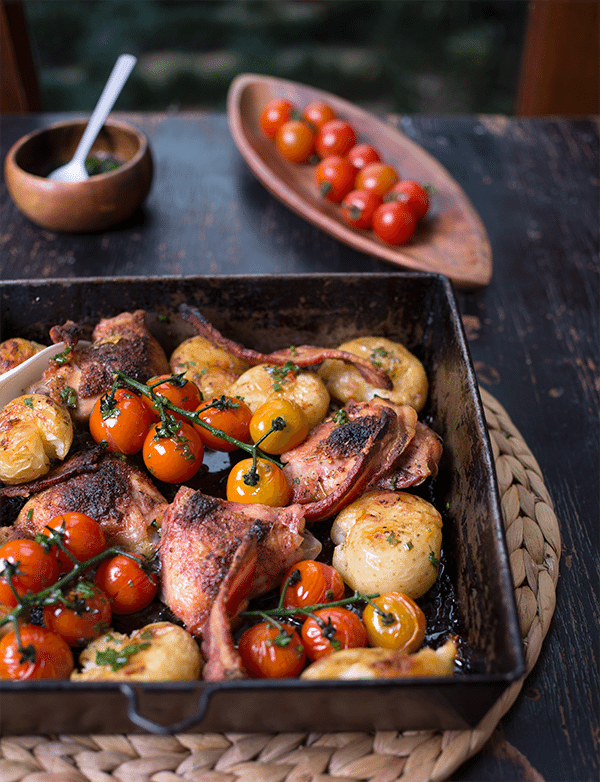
533	538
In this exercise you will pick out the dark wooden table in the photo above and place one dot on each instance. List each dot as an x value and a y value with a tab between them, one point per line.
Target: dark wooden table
533	335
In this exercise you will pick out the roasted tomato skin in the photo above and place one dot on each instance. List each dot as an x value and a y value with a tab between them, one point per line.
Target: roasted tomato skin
83	537
294	432
271	652
127	584
402	629
52	657
229	415
122	426
182	393
272	487
311	583
175	457
328	630
37	569
85	615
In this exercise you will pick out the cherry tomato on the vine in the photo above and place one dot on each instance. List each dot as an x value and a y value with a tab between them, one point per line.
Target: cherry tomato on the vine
411	193
394	223
121	422
328	630
335	137
361	155
127	583
359	206
318	113
33	568
334	176
377	177
267	486
311	583
180	391
295	141
272	652
47	655
274	115
288	420
173	456
228	414
395	621
83	615
82	536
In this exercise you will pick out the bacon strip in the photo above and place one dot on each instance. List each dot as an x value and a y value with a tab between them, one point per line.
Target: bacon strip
302	356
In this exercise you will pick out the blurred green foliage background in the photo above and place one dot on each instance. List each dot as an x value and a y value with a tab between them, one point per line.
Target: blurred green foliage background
430	56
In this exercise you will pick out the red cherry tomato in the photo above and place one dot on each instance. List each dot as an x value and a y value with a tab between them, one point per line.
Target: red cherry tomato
377	177
268	486
311	583
334	176
295	141
82	536
318	113
34	569
179	391
394	223
121	422
335	137
395	621
127	583
47	655
292	428
359	206
361	155
271	652
330	629
229	415
84	615
173	456
412	194
274	115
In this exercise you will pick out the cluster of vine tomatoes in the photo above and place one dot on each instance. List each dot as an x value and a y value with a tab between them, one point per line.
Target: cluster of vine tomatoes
349	172
49	572
305	628
172	445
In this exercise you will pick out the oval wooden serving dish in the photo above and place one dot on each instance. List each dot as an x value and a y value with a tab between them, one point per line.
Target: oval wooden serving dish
452	239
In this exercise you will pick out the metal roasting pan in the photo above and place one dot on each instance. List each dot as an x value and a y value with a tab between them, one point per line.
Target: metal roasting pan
266	313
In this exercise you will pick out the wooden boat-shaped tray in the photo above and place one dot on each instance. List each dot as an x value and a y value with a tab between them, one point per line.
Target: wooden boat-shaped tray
451	240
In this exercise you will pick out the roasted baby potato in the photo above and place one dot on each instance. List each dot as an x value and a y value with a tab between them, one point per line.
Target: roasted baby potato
159	652
211	368
378	663
33	430
262	382
15	351
388	541
344	382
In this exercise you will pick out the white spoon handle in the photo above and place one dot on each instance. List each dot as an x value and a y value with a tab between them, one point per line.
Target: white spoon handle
112	88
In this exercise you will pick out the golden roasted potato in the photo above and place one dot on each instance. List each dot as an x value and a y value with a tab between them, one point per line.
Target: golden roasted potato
378	663
211	368
15	351
158	652
344	382
306	389
34	429
388	541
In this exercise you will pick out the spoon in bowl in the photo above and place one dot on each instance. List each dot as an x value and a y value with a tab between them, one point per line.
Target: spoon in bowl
74	170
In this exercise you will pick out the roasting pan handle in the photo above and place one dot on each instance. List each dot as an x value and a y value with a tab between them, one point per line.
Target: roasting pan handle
154	727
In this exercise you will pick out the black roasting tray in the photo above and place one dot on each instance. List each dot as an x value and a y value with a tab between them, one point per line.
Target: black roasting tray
475	597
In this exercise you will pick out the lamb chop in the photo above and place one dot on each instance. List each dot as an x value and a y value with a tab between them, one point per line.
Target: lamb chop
122	342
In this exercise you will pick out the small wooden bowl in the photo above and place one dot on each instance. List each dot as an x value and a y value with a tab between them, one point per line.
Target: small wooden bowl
102	200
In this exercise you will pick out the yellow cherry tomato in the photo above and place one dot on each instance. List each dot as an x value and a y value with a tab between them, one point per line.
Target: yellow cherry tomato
397	622
267	485
288	420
